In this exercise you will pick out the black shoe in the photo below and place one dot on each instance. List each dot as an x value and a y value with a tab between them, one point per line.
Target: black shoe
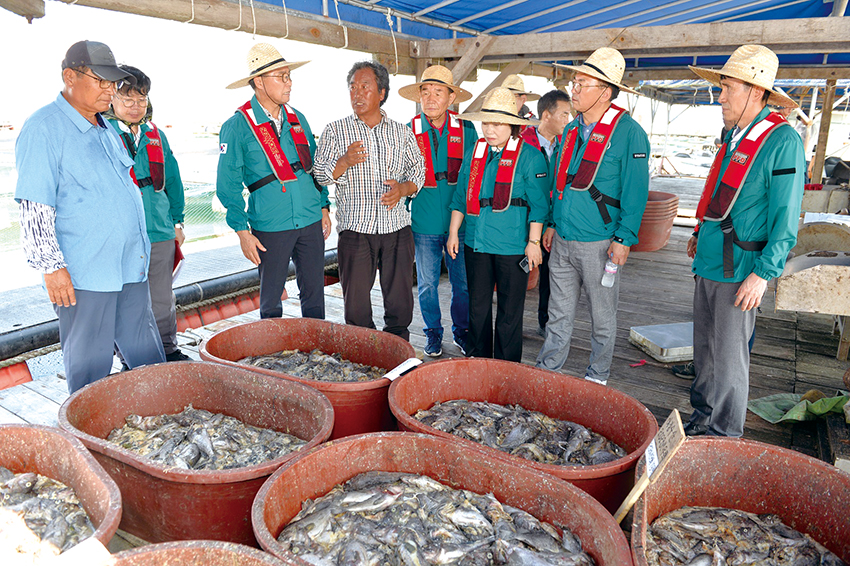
177	356
695	429
685	371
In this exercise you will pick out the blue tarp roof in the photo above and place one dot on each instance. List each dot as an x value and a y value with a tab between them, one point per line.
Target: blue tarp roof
444	19
698	92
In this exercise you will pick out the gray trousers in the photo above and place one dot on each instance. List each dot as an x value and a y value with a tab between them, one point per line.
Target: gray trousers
160	277
574	266
89	330
721	358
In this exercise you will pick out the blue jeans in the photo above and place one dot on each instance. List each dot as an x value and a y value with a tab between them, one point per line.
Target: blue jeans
429	254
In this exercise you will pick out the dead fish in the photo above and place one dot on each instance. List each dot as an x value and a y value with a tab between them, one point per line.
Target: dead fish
196	439
709	536
521	432
316	365
398	519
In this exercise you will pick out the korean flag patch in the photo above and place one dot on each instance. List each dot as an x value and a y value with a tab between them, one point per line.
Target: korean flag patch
222	148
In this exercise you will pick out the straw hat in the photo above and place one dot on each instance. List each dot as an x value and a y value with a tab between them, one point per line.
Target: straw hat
515	84
753	64
605	64
435	74
499	106
263	58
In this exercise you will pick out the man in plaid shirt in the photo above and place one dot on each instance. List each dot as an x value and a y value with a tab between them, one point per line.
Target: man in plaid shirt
374	162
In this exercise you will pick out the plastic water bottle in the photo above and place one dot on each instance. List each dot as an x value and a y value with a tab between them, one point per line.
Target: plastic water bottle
610	273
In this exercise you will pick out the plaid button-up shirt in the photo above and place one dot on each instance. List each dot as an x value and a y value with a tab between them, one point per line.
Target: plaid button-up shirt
393	155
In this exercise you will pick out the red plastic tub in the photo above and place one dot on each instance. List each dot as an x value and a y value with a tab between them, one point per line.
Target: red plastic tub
58	455
358	407
163	504
195	553
809	495
313	474
607	411
657	221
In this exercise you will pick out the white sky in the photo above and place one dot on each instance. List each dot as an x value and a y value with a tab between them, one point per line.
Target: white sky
190	65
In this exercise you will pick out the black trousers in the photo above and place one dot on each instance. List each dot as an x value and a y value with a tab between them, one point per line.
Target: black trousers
306	247
483	273
543	288
361	256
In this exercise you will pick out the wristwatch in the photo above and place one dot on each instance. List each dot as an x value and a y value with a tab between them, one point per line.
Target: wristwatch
179	225
535	242
617	239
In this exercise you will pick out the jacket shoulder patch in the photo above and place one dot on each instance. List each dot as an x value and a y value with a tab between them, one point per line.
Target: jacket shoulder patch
541	175
638	156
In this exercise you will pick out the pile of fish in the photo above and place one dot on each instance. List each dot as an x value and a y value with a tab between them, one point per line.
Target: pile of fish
50	509
518	431
195	439
315	365
398	519
712	536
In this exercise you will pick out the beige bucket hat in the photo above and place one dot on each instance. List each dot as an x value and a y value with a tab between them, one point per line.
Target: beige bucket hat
753	64
605	64
263	58
515	84
499	106
435	74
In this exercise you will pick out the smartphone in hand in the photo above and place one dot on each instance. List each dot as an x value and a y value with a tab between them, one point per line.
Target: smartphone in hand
524	264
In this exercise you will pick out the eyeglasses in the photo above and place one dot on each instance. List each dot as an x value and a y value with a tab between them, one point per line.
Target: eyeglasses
104	84
283	77
130	102
577	87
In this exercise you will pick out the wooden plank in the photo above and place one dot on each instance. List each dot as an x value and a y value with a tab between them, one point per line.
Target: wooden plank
8	417
467	63
823	136
29	9
803	35
29	405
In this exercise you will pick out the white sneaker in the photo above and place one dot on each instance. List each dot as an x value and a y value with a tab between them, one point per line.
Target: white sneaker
595	380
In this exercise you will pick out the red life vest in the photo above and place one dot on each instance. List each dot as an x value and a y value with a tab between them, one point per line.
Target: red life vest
300	139
455	149
503	188
597	145
715	206
267	138
156	159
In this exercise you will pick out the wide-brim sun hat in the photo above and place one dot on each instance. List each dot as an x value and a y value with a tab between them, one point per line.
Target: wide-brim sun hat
263	58
435	74
753	64
500	107
514	84
606	64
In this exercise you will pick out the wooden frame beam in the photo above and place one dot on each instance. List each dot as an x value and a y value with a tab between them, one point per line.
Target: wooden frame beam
30	9
804	35
271	21
633	76
466	64
513	68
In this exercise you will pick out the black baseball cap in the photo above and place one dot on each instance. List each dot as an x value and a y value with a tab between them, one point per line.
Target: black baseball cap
97	57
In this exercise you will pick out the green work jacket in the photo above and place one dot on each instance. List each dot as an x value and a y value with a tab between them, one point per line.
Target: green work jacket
163	209
430	213
767	209
241	161
622	175
505	233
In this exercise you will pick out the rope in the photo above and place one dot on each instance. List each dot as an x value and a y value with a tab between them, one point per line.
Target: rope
286	19
253	19
240	18
339	21
190	20
29	355
218	299
392	33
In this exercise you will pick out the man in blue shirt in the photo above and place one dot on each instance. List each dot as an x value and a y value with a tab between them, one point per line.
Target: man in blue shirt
83	223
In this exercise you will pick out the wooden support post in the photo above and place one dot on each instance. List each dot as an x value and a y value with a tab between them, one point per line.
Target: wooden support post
512	68
823	133
470	59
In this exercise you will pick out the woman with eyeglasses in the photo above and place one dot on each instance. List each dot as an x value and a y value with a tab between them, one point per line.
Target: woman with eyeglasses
503	197
158	177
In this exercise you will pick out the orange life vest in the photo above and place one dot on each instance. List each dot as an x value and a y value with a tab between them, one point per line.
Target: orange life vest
715	205
455	149
156	158
597	145
503	188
